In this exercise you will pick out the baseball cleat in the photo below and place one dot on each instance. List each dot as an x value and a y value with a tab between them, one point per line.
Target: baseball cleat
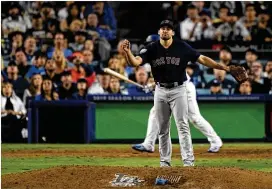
214	149
188	164
141	148
215	146
165	164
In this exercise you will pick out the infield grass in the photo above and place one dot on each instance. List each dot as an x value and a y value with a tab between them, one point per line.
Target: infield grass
21	164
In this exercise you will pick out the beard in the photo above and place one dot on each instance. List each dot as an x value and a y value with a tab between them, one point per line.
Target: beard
165	38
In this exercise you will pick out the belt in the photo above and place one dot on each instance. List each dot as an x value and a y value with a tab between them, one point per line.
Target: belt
169	85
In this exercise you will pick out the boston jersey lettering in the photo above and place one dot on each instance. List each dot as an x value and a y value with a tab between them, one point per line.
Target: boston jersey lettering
168	65
166	60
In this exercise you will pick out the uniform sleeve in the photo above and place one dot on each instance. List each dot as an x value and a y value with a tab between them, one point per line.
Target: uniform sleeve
144	54
191	53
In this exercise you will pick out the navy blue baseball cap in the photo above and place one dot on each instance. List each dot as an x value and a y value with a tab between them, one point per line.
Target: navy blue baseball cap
167	23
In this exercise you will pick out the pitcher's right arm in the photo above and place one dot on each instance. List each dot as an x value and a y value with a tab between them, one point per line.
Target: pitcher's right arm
131	59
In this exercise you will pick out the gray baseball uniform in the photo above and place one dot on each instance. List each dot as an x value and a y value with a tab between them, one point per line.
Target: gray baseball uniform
168	68
194	116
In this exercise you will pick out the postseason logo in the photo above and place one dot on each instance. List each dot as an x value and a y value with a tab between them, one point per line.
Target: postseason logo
167	179
126	180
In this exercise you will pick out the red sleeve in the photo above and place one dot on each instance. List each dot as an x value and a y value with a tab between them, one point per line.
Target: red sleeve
91	79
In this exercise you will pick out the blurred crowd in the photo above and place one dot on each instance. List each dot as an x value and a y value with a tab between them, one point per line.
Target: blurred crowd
58	50
223	21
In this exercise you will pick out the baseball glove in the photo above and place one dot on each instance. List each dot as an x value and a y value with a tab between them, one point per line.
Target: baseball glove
239	73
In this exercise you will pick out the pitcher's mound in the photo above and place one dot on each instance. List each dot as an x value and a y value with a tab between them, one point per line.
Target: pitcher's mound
97	177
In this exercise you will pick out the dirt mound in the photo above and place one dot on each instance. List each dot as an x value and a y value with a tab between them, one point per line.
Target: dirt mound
89	177
226	151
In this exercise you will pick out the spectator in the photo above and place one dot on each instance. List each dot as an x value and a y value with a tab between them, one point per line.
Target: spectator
47	12
188	26
225	57
204	30
223	16
50	72
233	6
21	61
60	60
105	14
216	87
80	70
261	32
12	115
63	13
115	64
4	76
141	78
15	21
115	87
250	56
257	71
176	11
121	56
245	88
257	88
95	66
82	88
31	7
67	87
201	9
38	65
89	45
95	29
76	25
87	57
268	68
73	14
30	47
232	30
17	40
250	19
78	44
37	29
265	16
259	83
19	83
101	85
52	27
59	46
224	82
34	88
48	92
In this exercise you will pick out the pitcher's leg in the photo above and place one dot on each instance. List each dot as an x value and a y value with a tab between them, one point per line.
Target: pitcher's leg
162	115
179	107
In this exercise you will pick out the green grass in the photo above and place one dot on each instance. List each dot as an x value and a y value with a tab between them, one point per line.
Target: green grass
21	164
7	147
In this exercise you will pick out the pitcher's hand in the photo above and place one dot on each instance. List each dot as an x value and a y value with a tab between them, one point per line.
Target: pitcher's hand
126	46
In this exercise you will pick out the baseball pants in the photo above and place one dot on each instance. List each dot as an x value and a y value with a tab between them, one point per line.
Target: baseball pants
194	116
173	101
